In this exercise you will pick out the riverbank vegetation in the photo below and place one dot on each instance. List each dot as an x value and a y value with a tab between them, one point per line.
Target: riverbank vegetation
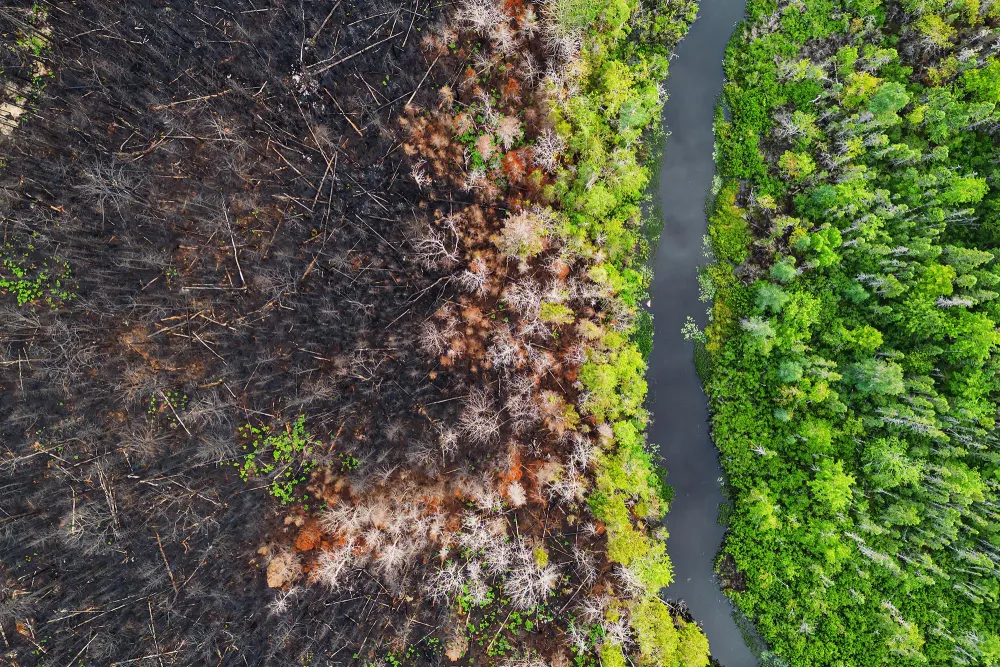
853	371
339	359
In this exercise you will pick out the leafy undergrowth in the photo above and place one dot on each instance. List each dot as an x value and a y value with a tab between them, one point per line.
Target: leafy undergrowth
853	346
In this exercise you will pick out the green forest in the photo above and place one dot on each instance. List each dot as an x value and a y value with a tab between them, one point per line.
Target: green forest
852	362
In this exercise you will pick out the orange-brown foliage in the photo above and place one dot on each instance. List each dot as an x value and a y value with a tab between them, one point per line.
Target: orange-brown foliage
513	166
511	90
309	537
514	8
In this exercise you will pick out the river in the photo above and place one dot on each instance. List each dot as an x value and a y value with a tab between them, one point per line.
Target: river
678	404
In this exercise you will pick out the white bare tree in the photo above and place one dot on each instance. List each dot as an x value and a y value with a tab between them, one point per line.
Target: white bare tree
474	180
476	278
547	149
529	583
281	602
435	337
333	564
480	420
569	487
586	565
504	351
446	582
524	661
439	247
516	494
592	608
509	131
419	173
524	296
521	404
525	234
475	535
504	38
482	15
528	23
498	557
583	452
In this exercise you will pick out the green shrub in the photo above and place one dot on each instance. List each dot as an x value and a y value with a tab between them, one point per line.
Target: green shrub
612	656
285	458
729	231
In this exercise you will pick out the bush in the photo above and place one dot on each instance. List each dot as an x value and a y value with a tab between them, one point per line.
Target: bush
655	632
612	656
616	384
728	230
285	457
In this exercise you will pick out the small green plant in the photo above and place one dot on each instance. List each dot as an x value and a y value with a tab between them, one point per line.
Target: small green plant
348	462
286	457
36	44
49	283
167	403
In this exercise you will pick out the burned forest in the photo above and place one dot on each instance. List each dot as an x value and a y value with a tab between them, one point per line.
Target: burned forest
322	334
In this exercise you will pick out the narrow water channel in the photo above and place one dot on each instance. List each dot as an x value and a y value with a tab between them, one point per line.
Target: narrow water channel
679	407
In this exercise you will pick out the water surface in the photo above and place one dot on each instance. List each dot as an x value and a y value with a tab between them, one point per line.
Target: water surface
680	412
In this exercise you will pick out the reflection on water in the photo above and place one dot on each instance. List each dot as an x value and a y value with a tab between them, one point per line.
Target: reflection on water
679	407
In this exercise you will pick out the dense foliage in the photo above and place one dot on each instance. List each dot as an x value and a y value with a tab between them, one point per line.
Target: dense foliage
600	191
853	338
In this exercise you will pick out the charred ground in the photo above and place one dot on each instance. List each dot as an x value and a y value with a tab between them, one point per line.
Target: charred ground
237	227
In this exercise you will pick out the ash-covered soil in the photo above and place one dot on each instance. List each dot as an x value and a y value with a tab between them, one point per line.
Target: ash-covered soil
236	221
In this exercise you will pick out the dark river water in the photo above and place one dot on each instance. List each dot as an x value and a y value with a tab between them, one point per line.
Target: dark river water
680	412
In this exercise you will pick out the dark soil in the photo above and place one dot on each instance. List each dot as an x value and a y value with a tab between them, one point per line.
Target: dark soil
237	227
